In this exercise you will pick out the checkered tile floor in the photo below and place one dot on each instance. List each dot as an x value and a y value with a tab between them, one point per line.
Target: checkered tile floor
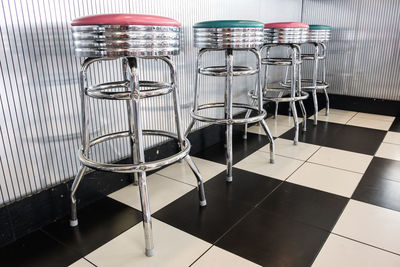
332	200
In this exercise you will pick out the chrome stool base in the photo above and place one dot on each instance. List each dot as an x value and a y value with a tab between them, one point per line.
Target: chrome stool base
314	84
229	71
296	94
132	95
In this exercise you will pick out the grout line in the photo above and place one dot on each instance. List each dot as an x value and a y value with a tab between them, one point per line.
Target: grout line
320	164
346	123
162	175
89	261
302	164
212	245
361	242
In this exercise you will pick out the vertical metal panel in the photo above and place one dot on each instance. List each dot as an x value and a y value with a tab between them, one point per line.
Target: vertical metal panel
39	91
363	54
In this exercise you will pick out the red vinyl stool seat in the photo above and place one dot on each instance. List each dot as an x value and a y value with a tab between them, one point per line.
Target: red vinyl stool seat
119	35
285	25
125	19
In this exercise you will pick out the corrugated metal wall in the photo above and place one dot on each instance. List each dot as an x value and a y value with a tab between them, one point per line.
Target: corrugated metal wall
39	92
364	53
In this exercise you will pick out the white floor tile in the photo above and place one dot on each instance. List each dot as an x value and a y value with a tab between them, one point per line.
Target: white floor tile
282	120
81	263
286	148
389	151
339	251
275	129
258	162
375	116
373	121
392	137
327	179
162	191
335	115
182	172
172	247
342	159
370	224
217	257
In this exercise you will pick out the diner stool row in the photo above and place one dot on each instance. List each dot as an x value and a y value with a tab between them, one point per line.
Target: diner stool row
129	37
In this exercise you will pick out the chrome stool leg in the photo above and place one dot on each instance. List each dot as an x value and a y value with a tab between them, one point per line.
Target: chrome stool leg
84	139
314	83
196	91
131	126
323	48
301	104
178	122
260	108
293	94
138	136
228	112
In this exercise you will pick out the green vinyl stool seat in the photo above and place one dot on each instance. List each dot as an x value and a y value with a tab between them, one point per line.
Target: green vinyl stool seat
229	24
320	27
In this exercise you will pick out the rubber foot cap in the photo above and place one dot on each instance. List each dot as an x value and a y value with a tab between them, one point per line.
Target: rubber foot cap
245	136
229	179
203	203
73	223
149	252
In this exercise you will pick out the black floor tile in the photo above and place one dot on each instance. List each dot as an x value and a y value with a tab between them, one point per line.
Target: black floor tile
384	168
316	134
380	184
380	192
241	148
395	127
346	137
307	205
98	223
246	186
271	240
37	249
208	223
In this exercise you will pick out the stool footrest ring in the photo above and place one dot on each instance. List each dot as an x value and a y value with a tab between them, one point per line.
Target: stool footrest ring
131	168
303	96
252	119
100	91
320	84
220	71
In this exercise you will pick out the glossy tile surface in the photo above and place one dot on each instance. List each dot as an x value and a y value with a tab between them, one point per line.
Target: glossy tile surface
98	224
339	251
286	148
172	248
370	224
373	121
216	257
341	159
162	191
305	205
326	179
37	249
389	151
335	115
258	162
181	171
380	184
270	240
207	223
332	184
345	137
82	263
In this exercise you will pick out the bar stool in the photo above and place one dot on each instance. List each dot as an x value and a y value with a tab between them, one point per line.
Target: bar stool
289	35
317	36
129	37
229	36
